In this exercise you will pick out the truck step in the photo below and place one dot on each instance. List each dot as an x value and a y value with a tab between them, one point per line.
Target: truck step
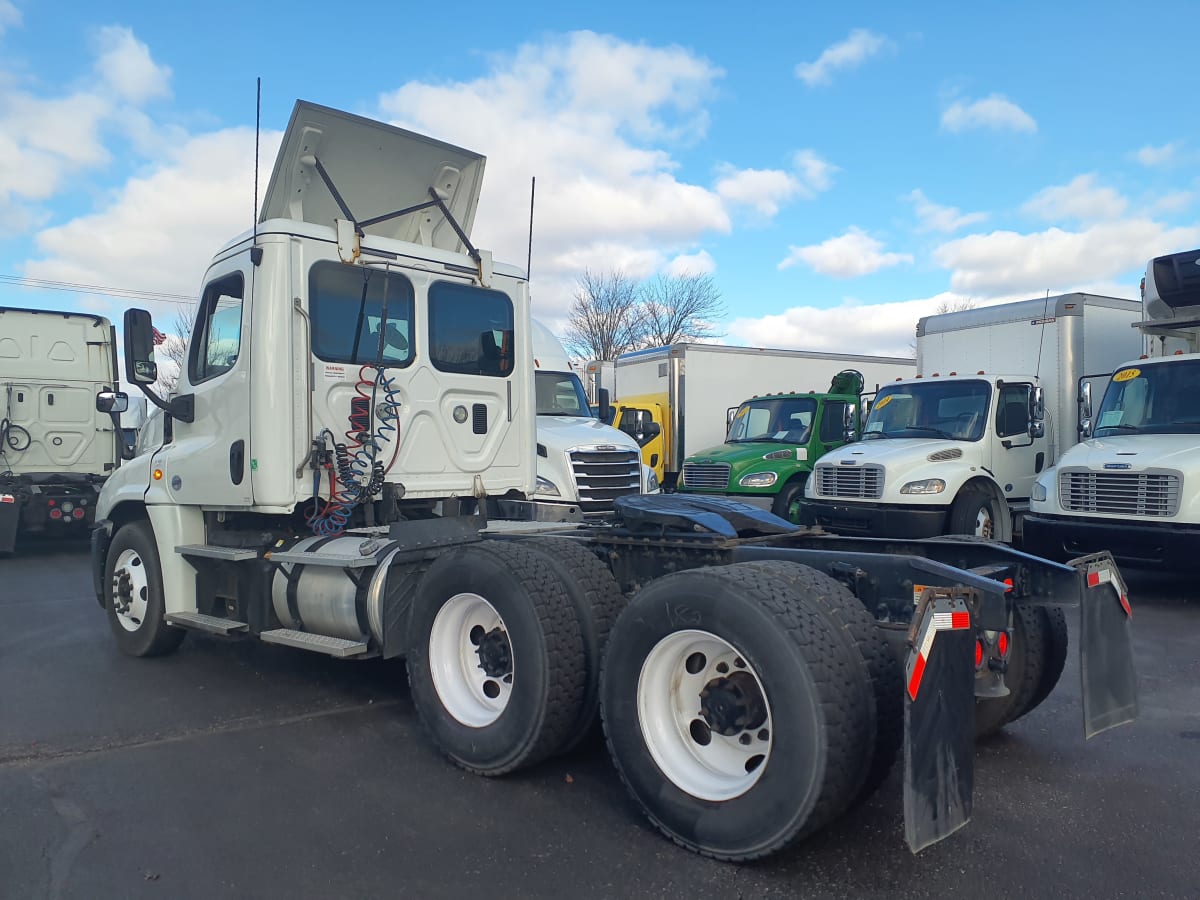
318	643
339	560
201	622
211	551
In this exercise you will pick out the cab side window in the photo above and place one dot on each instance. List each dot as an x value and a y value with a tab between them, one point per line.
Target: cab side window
470	330
833	419
217	336
1012	412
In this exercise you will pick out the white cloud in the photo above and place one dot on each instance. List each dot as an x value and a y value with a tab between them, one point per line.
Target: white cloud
846	256
816	173
1005	262
700	263
589	116
1174	202
946	219
996	112
859	46
1157	156
124	63
9	15
763	189
1081	199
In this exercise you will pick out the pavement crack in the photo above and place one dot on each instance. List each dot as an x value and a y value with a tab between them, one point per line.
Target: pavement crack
80	833
25	756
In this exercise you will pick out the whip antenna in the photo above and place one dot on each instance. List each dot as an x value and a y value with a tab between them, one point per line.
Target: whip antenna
529	254
257	130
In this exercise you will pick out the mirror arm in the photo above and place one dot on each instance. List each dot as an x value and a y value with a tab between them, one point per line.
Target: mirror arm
182	407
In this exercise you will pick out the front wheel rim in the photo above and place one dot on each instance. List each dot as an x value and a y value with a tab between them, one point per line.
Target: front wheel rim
471	660
984	525
704	715
130	590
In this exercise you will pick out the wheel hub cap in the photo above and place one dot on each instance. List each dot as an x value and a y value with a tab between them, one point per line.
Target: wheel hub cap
732	704
494	651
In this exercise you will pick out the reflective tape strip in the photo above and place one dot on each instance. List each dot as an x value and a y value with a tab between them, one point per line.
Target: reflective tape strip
939	621
7	498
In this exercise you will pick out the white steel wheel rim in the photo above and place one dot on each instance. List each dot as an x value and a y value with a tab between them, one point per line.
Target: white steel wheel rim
468	691
669	705
130	590
984	526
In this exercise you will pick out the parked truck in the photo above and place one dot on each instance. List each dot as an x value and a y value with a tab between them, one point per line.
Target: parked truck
55	447
678	400
347	469
581	460
956	449
773	442
1132	486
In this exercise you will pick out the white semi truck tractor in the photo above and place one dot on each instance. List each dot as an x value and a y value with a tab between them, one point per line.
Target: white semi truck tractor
581	460
1132	486
350	468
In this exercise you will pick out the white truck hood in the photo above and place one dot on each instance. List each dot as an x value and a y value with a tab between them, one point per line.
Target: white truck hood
1135	452
892	451
567	432
377	169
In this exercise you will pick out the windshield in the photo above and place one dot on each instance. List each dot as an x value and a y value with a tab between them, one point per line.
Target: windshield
956	410
787	420
560	394
1158	399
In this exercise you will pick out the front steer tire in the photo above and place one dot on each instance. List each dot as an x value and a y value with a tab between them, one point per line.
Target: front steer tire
811	684
134	601
536	703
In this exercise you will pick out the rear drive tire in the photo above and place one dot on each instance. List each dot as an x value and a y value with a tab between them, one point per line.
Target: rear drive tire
733	711
496	664
1026	665
598	601
1054	623
974	512
134	600
860	633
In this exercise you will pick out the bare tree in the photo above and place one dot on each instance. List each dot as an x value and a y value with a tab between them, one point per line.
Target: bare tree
944	306
605	318
174	349
679	308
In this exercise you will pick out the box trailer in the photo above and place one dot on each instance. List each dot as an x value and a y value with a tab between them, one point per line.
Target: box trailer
677	400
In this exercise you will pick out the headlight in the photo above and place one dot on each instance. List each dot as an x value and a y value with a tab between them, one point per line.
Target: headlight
1038	491
758	479
926	486
546	486
652	485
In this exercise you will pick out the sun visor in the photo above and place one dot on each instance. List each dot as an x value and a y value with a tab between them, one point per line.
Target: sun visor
376	170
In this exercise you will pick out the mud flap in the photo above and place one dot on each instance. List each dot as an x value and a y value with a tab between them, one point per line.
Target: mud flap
10	517
1105	646
939	719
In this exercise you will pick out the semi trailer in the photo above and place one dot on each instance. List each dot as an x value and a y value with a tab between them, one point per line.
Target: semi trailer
56	449
349	467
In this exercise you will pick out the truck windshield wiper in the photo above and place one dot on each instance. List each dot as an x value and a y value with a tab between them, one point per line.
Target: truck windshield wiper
1121	427
937	431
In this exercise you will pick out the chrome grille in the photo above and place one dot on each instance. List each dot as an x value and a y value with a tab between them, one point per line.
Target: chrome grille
710	477
857	482
1120	493
604	475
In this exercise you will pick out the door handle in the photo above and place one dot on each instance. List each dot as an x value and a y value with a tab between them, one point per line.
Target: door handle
237	461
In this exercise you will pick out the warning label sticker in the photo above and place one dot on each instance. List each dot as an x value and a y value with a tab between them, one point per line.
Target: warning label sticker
334	371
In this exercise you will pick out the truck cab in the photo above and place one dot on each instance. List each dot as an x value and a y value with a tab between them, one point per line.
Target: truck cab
1132	486
772	444
580	459
947	454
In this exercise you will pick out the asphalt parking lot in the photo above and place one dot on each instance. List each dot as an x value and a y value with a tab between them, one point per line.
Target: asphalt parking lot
248	770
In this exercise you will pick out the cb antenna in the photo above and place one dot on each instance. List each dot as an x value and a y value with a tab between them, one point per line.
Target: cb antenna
257	130
529	253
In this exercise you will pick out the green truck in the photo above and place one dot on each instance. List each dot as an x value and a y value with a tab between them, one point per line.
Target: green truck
772	443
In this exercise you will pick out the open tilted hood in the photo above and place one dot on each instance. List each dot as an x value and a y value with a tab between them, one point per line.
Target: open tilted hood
376	169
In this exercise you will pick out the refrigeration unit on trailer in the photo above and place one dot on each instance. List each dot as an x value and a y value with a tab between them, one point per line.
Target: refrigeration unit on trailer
56	448
956	449
349	468
1133	485
678	400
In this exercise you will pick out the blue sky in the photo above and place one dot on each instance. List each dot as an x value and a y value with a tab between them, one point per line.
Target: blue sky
840	169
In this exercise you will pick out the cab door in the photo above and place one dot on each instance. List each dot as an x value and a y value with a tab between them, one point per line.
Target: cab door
208	461
1017	459
644	423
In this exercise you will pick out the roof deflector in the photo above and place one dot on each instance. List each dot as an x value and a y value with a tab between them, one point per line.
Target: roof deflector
390	182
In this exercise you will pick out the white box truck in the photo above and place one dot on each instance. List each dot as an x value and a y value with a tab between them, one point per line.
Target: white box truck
676	400
361	382
1133	485
581	460
55	447
956	449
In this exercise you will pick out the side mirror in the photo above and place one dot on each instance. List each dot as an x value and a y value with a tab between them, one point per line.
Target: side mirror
140	367
652	430
112	402
605	406
848	417
1085	402
1037	412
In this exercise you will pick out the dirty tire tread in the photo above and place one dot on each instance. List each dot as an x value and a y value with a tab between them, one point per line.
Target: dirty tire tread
836	676
566	669
846	613
1055	659
1030	635
598	602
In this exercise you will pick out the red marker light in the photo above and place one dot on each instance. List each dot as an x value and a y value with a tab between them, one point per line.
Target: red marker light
56	513
1002	643
978	654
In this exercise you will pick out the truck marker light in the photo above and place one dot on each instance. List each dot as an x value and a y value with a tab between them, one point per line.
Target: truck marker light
978	653
52	502
1008	585
56	513
158	474
980	372
953	373
78	514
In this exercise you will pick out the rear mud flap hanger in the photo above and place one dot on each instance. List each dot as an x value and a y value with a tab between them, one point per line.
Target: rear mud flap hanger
939	695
